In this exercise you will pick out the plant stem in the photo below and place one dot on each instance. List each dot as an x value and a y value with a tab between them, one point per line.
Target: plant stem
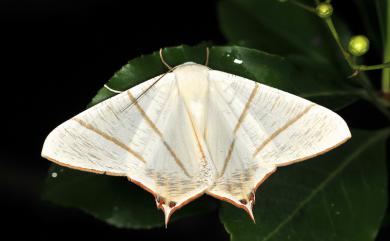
386	72
304	6
362	77
335	35
383	66
372	96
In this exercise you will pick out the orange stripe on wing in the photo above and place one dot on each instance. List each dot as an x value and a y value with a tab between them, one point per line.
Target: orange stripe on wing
109	138
157	131
238	124
281	129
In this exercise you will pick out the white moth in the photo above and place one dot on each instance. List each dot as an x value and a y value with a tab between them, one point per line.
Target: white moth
196	130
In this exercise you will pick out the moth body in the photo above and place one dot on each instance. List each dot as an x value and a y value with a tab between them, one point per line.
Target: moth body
193	87
192	82
196	131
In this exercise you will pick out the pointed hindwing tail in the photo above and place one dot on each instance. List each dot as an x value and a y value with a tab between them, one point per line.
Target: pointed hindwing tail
150	140
253	128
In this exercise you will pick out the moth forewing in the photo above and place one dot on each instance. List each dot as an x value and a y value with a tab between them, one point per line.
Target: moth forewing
193	131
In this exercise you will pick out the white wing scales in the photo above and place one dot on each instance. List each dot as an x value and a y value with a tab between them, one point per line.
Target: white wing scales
136	138
155	141
268	128
174	161
98	139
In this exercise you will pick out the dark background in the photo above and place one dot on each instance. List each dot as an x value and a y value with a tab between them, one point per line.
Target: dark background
55	55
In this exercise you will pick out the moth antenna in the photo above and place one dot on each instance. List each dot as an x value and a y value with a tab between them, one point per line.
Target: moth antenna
163	61
112	90
149	88
207	56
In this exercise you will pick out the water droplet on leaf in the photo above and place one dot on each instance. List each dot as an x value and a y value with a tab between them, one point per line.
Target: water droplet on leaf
237	61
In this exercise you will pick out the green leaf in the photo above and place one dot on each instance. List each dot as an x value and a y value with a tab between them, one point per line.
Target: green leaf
265	68
341	195
370	22
276	27
299	35
99	195
381	8
148	66
113	199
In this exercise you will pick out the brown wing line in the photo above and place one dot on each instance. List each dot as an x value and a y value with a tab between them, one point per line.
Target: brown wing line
281	129
138	98
158	132
110	138
238	124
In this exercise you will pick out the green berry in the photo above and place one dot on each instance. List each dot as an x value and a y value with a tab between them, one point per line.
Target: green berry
358	45
324	10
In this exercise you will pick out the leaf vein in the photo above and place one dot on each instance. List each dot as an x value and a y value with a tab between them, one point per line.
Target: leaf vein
322	185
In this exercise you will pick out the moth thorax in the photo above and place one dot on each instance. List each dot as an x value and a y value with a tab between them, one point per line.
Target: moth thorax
192	82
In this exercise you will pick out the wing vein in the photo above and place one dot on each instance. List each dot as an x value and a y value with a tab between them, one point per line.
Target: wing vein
109	138
158	132
238	124
246	108
195	133
228	157
281	129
